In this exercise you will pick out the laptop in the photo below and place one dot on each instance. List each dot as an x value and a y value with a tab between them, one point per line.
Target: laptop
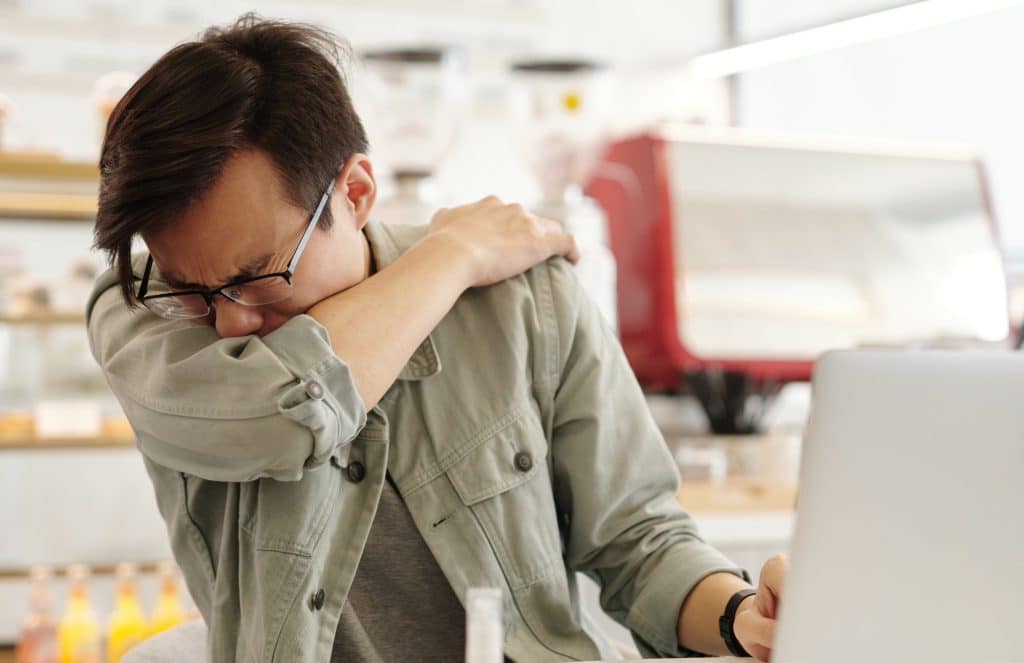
909	541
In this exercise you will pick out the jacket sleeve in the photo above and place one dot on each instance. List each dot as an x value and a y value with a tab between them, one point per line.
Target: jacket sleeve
617	482
233	409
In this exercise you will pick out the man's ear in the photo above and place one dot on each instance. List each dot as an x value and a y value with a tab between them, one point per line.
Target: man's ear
357	187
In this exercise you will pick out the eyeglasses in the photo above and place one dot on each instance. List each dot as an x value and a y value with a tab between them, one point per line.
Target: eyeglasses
250	291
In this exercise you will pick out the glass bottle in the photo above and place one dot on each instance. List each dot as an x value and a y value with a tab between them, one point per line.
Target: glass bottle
79	639
37	642
128	626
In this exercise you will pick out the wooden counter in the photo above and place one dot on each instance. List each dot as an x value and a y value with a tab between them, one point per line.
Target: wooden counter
737	495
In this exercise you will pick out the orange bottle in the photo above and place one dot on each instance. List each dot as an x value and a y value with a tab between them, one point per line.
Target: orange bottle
78	635
38	640
127	626
169	612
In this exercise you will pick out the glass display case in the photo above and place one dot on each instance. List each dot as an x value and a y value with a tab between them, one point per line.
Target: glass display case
77	486
51	391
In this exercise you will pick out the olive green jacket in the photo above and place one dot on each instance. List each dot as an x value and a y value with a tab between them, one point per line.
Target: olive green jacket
516	435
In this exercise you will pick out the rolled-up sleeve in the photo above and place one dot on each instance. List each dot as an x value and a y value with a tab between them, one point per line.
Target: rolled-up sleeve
232	409
617	483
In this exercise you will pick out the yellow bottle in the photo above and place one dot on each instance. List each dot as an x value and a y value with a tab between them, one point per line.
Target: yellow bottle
169	612
127	626
78	635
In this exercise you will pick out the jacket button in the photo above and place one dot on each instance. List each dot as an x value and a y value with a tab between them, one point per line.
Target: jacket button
356	471
314	390
317	600
524	461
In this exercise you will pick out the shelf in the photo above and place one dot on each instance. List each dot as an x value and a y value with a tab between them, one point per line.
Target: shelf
43	444
45	165
99	29
18	430
47	206
95	570
43	186
45	319
59	82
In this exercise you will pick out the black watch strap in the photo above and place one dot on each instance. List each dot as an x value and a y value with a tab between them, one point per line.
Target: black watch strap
727	619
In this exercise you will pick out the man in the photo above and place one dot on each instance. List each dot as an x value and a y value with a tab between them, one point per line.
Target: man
342	438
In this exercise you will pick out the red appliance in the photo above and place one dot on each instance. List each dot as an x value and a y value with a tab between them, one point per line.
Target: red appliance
639	191
633	186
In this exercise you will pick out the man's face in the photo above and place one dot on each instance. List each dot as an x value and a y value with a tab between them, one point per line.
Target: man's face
245	225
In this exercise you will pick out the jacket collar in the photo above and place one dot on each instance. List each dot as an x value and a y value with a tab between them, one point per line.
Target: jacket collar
385	242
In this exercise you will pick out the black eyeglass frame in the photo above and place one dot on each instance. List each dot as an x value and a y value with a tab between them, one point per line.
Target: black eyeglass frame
208	295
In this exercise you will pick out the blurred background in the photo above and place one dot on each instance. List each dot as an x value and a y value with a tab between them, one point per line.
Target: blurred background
752	184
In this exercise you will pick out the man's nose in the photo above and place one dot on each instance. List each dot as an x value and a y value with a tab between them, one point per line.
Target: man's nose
232	319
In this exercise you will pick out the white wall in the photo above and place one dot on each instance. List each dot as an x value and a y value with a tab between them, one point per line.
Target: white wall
956	83
761	20
51	51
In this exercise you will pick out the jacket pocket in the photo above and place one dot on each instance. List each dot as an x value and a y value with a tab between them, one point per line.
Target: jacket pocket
193	491
503	480
290	516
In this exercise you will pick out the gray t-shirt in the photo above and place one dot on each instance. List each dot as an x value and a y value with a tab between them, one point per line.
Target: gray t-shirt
401	607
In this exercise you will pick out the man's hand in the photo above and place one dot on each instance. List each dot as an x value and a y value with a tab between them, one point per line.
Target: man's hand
755	620
499	240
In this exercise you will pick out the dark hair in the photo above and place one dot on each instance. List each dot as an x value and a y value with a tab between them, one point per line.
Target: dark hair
263	84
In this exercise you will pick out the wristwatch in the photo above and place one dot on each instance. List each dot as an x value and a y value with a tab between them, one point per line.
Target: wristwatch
725	622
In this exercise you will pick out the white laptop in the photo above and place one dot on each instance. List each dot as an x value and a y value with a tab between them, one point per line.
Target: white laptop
909	542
